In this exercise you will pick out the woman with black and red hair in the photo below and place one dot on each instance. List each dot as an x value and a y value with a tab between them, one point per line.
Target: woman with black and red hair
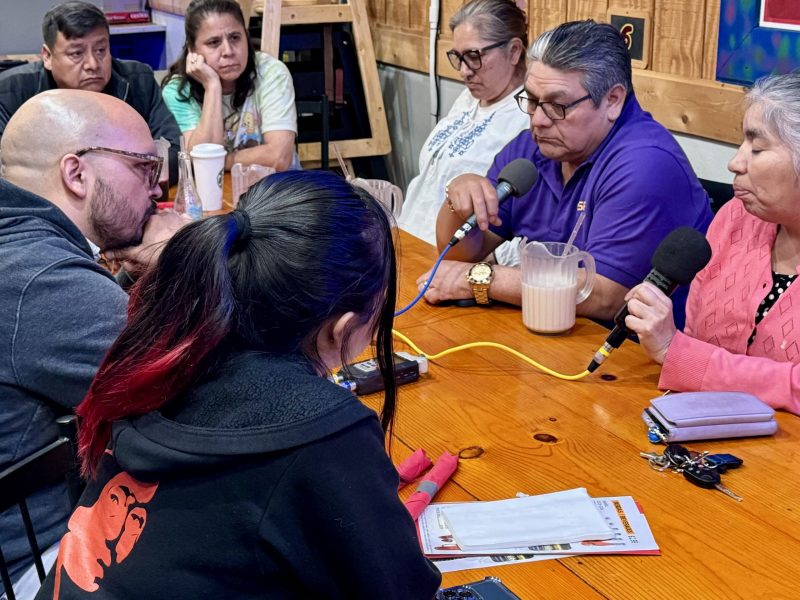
222	462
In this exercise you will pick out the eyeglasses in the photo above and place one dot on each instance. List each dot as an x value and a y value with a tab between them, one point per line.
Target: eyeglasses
553	110
471	57
152	163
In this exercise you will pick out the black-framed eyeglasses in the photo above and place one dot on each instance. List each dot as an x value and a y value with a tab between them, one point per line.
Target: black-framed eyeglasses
151	162
471	57
552	110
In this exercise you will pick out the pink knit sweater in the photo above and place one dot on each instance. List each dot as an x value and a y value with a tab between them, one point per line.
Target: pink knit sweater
712	353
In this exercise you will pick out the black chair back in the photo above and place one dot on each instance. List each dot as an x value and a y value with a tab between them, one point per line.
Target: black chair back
55	463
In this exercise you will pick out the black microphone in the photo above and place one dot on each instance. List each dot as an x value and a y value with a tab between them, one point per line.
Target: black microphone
516	179
676	261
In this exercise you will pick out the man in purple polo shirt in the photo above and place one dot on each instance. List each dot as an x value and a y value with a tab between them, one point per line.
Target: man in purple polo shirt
597	151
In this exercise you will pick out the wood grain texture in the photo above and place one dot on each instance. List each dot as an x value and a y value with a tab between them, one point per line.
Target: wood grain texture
640	5
397	13
376	9
711	39
678	40
697	107
271	27
587	9
544	15
703	108
712	547
418	13
491	400
331	13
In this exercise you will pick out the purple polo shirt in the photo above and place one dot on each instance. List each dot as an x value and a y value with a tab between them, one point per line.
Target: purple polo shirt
636	187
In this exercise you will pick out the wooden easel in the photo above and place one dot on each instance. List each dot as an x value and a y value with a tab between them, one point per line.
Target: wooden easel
303	12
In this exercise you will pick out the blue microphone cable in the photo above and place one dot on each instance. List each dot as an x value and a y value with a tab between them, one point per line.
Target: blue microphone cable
427	283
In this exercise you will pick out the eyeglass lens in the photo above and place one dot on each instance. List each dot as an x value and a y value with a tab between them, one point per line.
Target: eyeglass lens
154	164
471	57
552	110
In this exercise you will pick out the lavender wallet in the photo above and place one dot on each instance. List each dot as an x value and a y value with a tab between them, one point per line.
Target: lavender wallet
707	416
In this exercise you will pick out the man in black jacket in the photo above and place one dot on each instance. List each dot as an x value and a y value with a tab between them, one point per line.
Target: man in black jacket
76	55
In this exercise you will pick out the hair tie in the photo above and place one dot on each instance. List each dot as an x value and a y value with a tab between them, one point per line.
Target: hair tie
242	221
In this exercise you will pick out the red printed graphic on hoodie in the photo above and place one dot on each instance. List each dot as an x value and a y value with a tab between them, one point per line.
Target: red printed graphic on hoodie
117	520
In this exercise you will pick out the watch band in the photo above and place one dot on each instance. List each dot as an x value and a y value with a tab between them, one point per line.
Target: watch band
479	278
481	293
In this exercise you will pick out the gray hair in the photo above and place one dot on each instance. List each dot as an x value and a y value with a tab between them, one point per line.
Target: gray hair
495	20
778	96
596	50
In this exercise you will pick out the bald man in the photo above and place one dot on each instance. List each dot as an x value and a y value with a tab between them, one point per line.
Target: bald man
79	174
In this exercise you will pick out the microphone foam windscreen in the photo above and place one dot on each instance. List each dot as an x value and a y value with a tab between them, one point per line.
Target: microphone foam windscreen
682	254
521	174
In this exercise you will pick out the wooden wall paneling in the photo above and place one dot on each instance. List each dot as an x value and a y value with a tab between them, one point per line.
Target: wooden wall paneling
448	8
640	5
704	108
401	48
376	9
544	15
418	15
398	12
678	40
587	9
710	39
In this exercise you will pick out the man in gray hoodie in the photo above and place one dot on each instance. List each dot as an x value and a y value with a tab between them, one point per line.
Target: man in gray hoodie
79	175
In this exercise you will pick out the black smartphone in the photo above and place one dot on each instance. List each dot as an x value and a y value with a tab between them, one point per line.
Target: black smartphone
490	588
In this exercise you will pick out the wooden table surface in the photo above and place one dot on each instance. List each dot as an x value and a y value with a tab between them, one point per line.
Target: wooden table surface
534	433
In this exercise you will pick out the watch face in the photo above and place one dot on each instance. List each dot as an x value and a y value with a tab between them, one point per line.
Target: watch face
480	273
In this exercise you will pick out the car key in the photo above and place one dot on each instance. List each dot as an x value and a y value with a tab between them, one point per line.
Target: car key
722	462
707	478
678	456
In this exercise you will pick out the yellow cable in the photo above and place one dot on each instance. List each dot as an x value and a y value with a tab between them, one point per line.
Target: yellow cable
519	355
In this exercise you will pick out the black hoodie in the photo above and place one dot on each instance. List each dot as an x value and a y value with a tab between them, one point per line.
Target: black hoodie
266	481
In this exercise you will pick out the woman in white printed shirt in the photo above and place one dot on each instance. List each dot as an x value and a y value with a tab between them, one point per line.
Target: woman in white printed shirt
489	42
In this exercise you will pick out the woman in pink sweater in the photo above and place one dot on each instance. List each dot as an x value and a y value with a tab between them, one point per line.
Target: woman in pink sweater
743	313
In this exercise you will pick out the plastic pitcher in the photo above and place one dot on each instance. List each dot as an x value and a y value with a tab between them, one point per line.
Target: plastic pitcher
550	291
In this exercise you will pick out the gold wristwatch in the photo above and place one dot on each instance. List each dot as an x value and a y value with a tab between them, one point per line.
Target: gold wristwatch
479	278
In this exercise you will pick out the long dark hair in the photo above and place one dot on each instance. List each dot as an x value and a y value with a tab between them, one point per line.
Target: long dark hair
196	13
302	248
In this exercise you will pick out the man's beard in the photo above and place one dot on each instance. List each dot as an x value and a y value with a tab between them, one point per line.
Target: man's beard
112	218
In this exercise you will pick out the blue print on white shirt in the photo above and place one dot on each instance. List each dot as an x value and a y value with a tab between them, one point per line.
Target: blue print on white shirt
444	134
462	144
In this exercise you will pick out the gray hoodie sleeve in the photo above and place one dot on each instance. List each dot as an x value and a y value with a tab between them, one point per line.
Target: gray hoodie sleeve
66	318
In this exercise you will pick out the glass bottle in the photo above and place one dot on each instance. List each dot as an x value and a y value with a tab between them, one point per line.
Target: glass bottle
186	198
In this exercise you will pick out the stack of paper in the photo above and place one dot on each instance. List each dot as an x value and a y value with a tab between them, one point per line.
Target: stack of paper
557	518
472	535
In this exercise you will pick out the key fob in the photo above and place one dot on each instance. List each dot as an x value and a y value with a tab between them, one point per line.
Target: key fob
723	462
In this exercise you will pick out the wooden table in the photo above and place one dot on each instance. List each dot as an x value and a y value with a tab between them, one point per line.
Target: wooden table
530	432
533	433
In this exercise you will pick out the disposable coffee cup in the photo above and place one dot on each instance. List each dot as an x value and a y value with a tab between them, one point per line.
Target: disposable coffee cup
208	162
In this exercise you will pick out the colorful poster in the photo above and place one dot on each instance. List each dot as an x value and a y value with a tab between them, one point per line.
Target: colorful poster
749	48
781	14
